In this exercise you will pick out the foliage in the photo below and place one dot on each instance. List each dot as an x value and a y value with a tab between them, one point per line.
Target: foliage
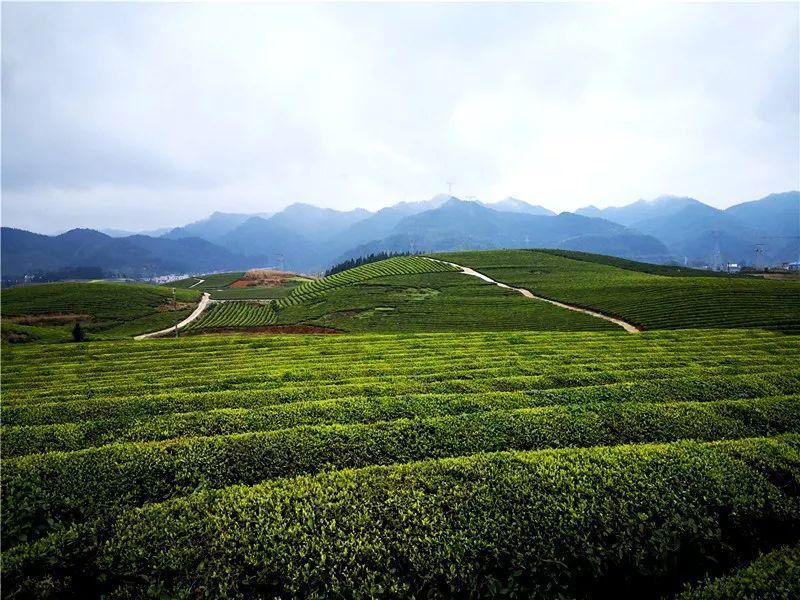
225	315
467	464
77	333
573	522
773	575
45	491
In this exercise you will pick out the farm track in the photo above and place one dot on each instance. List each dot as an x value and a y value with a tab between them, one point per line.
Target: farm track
195	314
630	328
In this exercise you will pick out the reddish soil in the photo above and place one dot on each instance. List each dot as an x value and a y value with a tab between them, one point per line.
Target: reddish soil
263	278
48	319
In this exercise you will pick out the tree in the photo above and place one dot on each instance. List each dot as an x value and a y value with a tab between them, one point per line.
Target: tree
77	332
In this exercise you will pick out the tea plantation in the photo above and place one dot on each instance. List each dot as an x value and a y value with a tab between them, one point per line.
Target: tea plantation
428	465
105	310
649	296
417	294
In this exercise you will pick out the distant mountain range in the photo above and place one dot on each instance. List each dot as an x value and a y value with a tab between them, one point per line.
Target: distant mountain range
306	238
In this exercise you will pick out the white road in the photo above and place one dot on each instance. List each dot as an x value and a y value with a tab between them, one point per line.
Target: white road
528	294
199	281
197	312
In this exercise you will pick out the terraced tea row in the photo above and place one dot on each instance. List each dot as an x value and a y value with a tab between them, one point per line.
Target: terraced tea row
773	575
112	441
203	365
44	492
401	265
81	426
224	315
573	522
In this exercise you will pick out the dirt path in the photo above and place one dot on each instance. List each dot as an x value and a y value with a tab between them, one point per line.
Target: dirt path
528	294
199	281
197	312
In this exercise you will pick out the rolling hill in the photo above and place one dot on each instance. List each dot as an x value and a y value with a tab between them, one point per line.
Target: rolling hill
105	310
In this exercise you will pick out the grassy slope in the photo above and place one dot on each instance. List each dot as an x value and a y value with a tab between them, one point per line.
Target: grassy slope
668	301
269	408
115	309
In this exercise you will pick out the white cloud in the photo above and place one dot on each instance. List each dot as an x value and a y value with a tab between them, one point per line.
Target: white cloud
146	115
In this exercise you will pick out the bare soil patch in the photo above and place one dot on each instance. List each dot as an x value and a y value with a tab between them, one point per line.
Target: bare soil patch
270	330
169	306
263	278
49	319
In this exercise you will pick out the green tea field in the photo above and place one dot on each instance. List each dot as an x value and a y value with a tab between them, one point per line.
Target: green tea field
647	296
426	465
105	310
454	439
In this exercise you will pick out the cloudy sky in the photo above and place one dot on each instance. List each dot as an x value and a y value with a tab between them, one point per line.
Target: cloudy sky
147	115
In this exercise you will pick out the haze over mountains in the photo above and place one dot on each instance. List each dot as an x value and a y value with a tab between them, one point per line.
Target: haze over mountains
307	238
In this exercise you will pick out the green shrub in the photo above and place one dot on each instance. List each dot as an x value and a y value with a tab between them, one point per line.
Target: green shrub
773	576
576	523
43	492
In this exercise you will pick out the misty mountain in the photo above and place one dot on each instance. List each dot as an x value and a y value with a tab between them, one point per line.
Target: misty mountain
459	225
518	206
125	233
641	210
704	234
277	245
308	239
381	223
777	215
315	222
700	231
211	228
24	252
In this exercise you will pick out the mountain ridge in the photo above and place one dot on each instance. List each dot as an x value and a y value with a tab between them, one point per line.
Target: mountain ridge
307	238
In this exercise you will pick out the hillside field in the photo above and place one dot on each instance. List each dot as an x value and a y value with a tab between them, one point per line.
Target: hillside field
105	310
646	295
416	294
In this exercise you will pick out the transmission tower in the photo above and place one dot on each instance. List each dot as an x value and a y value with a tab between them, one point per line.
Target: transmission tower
759	254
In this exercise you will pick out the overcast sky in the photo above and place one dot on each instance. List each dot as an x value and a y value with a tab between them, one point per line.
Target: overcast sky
142	116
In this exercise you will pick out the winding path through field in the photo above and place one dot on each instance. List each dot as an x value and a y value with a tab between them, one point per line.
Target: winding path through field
528	294
197	312
199	281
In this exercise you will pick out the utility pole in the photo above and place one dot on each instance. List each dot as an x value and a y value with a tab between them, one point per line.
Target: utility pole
175	311
449	188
